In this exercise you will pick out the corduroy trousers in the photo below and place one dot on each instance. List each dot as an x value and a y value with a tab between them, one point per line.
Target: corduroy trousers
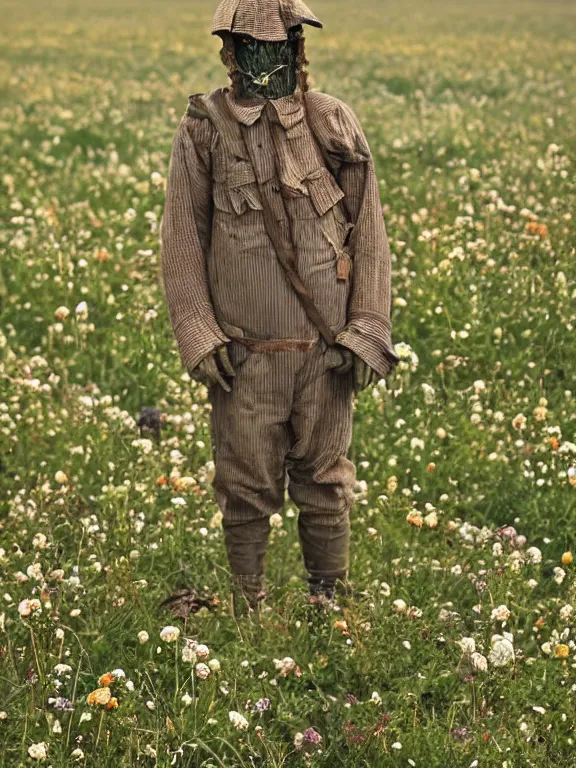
286	423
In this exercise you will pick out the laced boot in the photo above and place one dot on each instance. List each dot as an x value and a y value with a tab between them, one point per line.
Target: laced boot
247	594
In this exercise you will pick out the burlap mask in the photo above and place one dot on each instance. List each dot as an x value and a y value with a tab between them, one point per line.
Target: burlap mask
267	69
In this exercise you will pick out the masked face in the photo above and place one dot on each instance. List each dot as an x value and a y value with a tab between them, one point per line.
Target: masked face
267	70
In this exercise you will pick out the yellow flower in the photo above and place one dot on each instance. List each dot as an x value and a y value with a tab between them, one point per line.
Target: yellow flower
567	558
100	696
562	651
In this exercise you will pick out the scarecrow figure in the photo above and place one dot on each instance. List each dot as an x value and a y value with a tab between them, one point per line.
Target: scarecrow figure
276	271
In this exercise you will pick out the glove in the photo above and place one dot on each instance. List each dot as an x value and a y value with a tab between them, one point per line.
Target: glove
208	372
363	374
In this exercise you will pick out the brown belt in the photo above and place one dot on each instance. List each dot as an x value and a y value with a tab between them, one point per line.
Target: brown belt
277	345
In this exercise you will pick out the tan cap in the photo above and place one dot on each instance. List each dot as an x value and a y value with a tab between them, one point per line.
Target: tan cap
263	19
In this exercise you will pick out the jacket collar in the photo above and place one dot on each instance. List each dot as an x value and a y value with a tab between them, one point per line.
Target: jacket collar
290	109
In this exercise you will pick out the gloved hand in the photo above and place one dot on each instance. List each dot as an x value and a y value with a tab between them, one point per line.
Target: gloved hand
363	374
208	372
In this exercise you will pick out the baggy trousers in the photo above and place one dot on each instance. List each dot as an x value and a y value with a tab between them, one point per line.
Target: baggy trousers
287	418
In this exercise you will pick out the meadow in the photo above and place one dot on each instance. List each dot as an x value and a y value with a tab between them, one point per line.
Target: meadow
458	648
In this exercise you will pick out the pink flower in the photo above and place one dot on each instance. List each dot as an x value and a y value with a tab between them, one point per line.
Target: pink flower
312	736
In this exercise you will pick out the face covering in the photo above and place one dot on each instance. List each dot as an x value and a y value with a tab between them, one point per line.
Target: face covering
266	70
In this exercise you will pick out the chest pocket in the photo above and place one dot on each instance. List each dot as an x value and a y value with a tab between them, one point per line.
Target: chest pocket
235	187
323	189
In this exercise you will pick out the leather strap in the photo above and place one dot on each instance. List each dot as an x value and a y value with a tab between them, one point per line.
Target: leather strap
276	345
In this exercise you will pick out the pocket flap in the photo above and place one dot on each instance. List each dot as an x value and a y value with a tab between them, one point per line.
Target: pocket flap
240	173
323	189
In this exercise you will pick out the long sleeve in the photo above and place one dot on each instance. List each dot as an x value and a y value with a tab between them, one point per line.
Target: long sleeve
185	240
368	332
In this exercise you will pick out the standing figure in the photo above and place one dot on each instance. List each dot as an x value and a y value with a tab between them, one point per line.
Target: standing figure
276	271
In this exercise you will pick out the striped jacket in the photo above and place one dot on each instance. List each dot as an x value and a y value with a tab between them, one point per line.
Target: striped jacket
222	278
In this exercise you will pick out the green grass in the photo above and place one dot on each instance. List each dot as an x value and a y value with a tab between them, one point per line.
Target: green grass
469	110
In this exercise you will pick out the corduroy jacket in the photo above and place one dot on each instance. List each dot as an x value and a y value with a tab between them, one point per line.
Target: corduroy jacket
222	278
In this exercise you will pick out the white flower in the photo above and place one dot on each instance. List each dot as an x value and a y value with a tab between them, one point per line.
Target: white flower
502	652
540	710
376	698
77	754
170	634
546	648
238	721
479	662
186	699
62	669
202	651
26	606
119	674
566	612
61	313
202	671
39	541
285	665
214	665
533	555
143	637
429	394
396	745
399	605
38	751
467	644
276	520
85	717
501	613
61	477
82	310
559	574
188	655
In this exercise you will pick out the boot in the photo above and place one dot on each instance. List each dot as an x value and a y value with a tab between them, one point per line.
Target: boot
247	594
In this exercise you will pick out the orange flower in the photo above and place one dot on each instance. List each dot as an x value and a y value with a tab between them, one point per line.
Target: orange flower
162	480
414	518
106	679
540	622
113	703
342	626
431	467
103	255
562	651
100	696
567	558
554	443
535	228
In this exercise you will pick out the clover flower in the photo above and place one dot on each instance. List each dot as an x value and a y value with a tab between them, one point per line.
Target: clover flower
502	651
238	721
170	634
38	751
